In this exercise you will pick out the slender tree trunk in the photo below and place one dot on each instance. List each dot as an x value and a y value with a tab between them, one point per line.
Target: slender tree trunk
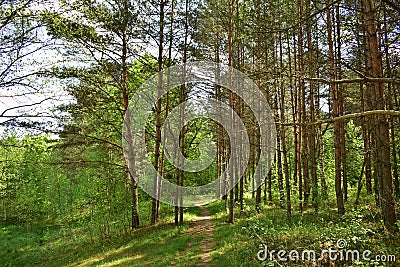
391	107
231	104
225	178
369	95
219	130
283	131
341	102
303	185
367	143
384	171
241	181
241	137
238	106
131	154
279	159
321	146
336	124
154	214
269	179
176	207
182	114
293	98
257	136
312	113
359	187
162	168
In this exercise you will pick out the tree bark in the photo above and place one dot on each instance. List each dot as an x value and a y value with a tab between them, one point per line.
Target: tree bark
154	213
341	102
336	124
162	168
391	107
312	114
283	135
231	104
257	135
131	165
301	118
384	171
293	98
367	144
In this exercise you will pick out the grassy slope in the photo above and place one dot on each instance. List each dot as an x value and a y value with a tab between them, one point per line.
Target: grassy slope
236	245
157	245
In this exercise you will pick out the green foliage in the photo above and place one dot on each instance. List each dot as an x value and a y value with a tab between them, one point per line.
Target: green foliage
62	245
28	180
355	151
67	201
69	29
238	244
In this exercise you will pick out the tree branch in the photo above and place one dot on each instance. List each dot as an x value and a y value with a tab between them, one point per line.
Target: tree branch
355	80
347	116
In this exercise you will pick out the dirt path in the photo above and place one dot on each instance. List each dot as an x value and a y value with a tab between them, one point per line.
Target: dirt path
202	225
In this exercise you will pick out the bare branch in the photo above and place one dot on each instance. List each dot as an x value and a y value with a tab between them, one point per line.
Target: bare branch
347	116
355	80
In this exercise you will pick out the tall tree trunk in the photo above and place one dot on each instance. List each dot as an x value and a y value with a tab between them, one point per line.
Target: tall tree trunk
258	136
238	107
391	107
154	213
384	171
162	168
336	124
257	132
183	97
279	158
341	102
241	181
231	104
131	154
269	188
293	98
367	144
219	129
312	113
283	130
359	187
320	146
303	185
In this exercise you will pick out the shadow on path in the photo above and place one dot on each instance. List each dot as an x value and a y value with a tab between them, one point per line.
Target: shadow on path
201	225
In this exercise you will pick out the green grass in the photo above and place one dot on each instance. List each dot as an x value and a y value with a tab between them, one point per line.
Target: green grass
237	244
164	244
157	245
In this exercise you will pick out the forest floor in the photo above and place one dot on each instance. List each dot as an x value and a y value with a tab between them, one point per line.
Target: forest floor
202	226
205	239
86	245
